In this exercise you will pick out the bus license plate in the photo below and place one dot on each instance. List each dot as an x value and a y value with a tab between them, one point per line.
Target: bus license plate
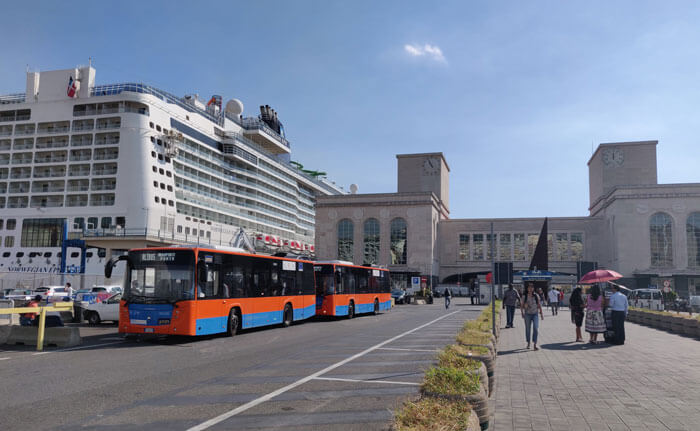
147	329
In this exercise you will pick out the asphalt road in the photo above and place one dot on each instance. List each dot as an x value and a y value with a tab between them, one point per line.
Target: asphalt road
330	374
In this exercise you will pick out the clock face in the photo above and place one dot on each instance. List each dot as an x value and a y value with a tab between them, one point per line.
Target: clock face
431	166
613	157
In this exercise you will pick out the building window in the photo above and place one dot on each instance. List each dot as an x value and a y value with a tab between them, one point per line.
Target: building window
576	246
79	223
2	222
464	246
504	247
46	232
519	250
398	241
92	223
168	174
106	222
561	247
187	230
11	224
345	240
179	228
157	199
9	241
371	241
661	240
121	222
532	239
692	230
478	246
489	245
155	183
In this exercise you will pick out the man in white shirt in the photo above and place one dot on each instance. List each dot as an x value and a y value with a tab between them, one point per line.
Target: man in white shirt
618	304
553	296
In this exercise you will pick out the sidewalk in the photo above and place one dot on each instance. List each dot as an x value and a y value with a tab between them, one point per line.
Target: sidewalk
652	382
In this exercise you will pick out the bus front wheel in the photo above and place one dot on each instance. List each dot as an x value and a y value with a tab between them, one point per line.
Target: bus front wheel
351	310
234	322
288	316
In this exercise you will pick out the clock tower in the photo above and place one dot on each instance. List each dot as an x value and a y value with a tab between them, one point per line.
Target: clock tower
621	164
426	172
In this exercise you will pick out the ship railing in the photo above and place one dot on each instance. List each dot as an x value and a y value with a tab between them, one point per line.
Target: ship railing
253	123
12	98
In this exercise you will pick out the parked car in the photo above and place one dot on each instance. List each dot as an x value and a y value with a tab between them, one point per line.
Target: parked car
646	298
51	293
107	309
95	294
399	296
20	296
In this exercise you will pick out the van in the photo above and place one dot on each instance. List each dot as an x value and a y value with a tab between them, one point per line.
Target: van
646	298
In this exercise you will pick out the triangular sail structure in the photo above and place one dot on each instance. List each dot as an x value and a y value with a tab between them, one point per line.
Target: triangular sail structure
242	240
540	258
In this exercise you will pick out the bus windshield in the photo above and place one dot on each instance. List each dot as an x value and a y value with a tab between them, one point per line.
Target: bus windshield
324	280
160	276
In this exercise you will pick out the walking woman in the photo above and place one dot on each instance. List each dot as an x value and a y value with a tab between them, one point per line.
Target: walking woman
576	305
595	321
530	307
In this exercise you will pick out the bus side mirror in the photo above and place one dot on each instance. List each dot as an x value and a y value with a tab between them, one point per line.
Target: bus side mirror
109	266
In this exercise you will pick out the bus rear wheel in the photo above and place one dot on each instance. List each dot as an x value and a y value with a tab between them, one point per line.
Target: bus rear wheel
376	307
234	321
287	316
351	310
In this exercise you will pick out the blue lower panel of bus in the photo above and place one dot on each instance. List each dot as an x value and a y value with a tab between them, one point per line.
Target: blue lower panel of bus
211	325
150	314
342	310
214	325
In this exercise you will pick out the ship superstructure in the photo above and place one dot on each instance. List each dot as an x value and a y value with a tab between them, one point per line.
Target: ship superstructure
129	165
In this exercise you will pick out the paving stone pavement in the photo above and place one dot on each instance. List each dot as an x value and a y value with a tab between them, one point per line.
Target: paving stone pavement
652	382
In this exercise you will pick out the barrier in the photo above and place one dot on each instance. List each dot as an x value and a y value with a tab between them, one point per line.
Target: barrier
61	337
6	319
39	338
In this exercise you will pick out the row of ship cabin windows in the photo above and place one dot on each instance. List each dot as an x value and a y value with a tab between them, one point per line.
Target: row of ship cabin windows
162	171
101	253
371	241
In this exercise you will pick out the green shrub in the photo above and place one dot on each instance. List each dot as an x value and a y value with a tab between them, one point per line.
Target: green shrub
458	357
430	414
473	337
450	381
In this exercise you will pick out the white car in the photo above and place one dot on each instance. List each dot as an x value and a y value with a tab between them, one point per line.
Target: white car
107	309
52	293
20	295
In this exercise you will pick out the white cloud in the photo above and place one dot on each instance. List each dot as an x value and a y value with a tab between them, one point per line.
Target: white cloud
432	52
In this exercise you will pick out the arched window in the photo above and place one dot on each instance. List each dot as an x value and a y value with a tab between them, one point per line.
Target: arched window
660	233
692	230
398	241
345	240
371	239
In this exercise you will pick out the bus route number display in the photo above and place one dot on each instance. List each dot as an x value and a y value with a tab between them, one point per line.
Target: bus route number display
157	257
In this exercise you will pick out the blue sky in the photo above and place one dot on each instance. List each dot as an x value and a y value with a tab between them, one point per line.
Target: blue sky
515	94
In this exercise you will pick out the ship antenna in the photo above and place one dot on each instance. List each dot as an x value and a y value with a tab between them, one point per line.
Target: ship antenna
89	62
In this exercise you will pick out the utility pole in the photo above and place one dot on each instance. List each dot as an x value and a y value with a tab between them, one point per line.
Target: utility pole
493	284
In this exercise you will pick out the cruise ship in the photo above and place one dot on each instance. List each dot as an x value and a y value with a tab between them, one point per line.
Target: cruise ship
128	165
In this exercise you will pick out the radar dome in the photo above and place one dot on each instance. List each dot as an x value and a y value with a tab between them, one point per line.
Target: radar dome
234	107
353	188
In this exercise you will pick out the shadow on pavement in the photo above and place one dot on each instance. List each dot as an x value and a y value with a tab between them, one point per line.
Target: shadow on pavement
572	345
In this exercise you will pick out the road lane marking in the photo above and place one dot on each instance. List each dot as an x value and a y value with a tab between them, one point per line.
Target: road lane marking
407	350
262	399
3	359
88	347
367	381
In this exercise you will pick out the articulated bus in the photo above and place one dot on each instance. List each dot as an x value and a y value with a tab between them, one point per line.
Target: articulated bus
344	289
201	290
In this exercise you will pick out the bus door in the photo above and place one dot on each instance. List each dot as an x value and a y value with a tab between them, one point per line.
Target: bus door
212	312
325	288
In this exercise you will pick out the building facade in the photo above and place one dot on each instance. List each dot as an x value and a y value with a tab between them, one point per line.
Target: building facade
647	231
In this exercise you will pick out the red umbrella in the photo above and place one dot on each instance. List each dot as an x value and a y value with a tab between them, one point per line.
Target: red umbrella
599	276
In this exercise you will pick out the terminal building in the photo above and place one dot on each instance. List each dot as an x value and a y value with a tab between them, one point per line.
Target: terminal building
647	231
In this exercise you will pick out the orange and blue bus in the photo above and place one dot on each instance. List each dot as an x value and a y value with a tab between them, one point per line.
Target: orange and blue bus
344	289
200	290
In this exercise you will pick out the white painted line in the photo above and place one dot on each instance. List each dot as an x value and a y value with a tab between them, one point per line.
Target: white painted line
40	353
89	347
260	400
4	359
407	350
367	381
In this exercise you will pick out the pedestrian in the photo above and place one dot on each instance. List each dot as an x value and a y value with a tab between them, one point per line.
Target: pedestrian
69	290
543	298
472	293
448	295
618	304
576	305
511	298
554	300
595	321
561	299
27	319
530	307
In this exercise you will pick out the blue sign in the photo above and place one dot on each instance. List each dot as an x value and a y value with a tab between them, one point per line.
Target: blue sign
535	275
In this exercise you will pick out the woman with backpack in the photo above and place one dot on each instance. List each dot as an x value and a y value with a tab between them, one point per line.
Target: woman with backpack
531	306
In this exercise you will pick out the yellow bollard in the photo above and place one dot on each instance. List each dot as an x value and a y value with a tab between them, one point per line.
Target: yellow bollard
42	324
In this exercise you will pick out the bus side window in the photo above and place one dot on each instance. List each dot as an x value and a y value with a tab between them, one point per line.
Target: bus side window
349	281
261	278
